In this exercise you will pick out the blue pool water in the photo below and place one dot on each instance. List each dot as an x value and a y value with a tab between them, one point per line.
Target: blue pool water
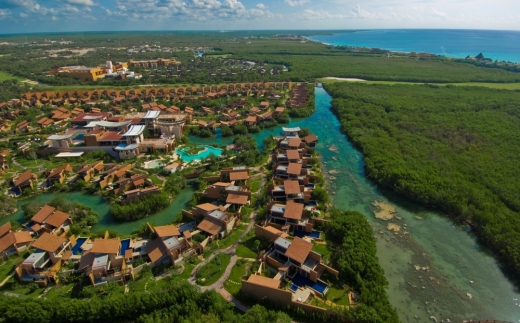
76	250
301	234
201	155
125	244
294	287
309	185
302	282
311	203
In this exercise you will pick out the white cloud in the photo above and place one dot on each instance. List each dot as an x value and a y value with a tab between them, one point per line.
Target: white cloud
310	14
4	13
294	3
191	10
23	15
360	13
261	6
11	4
79	2
439	14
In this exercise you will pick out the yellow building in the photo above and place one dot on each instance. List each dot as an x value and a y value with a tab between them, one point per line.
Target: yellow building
79	72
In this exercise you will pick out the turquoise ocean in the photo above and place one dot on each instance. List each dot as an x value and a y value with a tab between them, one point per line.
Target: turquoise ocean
495	44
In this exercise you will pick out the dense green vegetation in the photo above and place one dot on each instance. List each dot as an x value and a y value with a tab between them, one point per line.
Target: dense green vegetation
176	302
353	246
247	151
10	89
452	148
140	208
304	61
7	206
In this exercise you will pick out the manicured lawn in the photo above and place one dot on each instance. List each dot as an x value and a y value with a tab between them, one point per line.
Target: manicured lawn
322	250
7	267
156	180
230	239
254	185
212	271
244	251
247	248
234	282
338	296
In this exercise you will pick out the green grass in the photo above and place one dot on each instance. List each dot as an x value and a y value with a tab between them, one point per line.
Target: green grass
212	271
232	237
505	86
254	185
234	283
322	250
59	291
218	56
247	248
4	76
8	266
338	296
156	180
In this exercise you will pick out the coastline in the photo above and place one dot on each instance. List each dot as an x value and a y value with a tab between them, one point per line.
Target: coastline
446	43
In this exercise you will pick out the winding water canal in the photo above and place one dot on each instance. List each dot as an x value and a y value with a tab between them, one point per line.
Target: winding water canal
434	269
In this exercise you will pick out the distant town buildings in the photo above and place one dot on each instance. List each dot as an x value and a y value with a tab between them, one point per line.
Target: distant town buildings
89	74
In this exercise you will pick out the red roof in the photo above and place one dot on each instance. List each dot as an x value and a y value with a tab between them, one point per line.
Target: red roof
82	116
111	135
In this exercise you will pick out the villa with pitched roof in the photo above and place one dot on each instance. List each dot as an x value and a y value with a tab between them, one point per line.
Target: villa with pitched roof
168	246
13	242
23	181
49	220
103	262
43	265
58	175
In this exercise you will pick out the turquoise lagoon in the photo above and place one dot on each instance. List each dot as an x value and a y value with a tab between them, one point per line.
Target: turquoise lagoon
209	150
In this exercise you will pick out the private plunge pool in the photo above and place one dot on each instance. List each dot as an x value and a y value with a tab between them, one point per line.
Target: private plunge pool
312	234
186	155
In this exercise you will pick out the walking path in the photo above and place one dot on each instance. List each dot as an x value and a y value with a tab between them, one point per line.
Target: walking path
219	284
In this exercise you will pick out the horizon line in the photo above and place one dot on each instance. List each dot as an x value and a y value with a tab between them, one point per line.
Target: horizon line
236	30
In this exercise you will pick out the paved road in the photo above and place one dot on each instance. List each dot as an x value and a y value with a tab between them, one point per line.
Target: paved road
219	285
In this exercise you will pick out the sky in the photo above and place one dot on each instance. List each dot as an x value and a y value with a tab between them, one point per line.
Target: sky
27	16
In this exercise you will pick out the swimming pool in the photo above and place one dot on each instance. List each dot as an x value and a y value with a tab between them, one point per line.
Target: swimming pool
309	185
311	203
76	250
301	281
156	163
312	234
125	245
209	150
294	287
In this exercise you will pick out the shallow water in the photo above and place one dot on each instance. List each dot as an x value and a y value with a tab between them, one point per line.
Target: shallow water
209	150
449	256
